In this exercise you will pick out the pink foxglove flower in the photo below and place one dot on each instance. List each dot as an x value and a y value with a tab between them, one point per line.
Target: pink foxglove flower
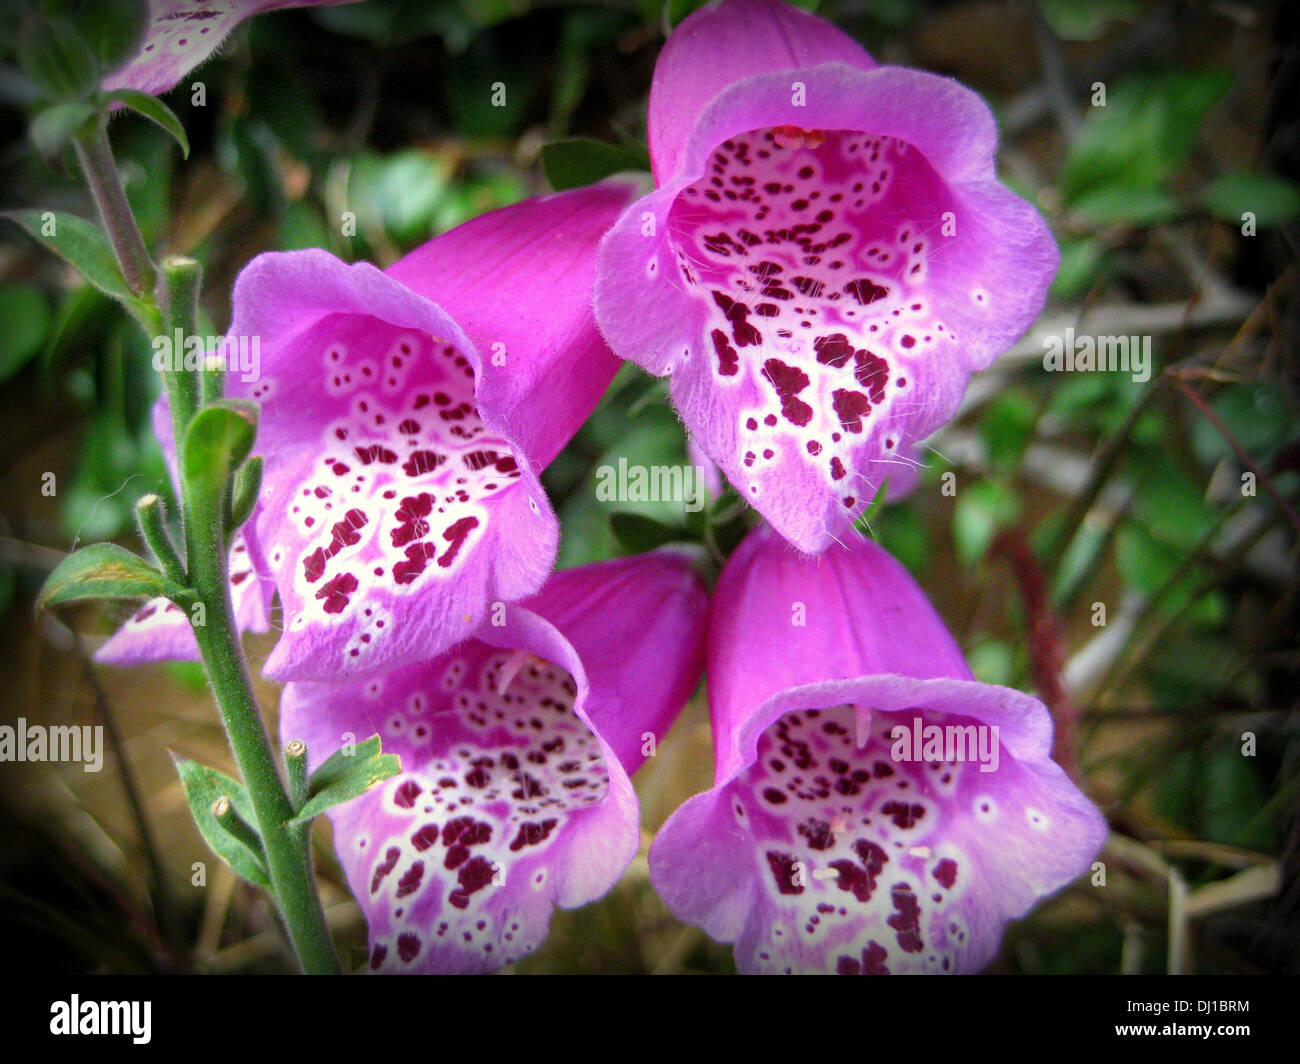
826	258
516	748
406	415
183	33
875	809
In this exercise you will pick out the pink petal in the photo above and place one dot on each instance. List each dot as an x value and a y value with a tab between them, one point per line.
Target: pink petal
725	43
513	798
825	845
392	511
518	281
821	280
183	33
403	443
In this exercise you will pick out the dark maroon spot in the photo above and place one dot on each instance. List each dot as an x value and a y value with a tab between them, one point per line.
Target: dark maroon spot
741	330
850	408
728	359
408	947
422	462
375	453
467	831
946	873
411	516
337	592
425	837
818	833
774	795
838	471
783	868
407	793
872	963
473	877
456	535
385	866
788	380
377	956
902	814
531	834
906	922
872	372
418	556
410	882
833	350
865	290
477	460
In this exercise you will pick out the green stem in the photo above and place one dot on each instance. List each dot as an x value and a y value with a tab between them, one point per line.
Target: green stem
288	857
153	527
96	158
180	296
295	759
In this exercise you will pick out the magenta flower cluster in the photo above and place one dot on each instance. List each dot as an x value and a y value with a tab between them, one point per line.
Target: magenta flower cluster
824	259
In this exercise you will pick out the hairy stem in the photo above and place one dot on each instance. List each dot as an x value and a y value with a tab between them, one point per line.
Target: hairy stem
288	857
96	159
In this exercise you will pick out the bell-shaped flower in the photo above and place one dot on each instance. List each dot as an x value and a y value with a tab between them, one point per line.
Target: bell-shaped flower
516	748
183	33
875	809
826	258
405	417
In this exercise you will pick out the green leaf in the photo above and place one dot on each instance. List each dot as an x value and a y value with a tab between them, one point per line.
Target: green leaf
25	320
203	786
155	110
101	571
1270	199
581	161
1142	134
1006	427
1124	205
982	509
114	30
1086	20
877	504
52	128
1080	262
244	493
346	775
638	533
59	62
85	247
218	441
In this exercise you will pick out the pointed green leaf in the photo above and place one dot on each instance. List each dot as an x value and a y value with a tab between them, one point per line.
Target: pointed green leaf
203	786
877	503
85	247
638	533
155	110
113	29
243	497
1270	199
345	776
56	59
581	161
52	128
218	441
101	571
